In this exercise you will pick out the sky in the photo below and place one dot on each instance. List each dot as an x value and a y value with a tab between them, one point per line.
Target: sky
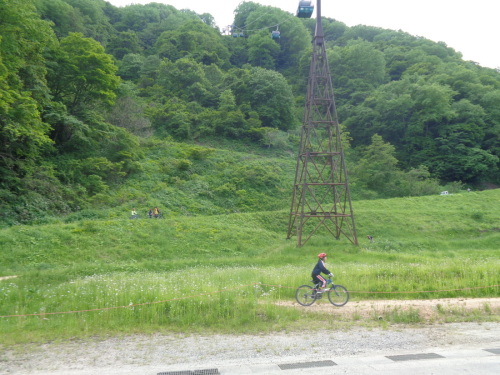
469	27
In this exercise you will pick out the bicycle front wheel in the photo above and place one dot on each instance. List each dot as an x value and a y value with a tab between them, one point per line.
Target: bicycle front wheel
305	295
338	295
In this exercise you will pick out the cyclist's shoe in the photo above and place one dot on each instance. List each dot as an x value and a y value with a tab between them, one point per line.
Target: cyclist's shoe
318	293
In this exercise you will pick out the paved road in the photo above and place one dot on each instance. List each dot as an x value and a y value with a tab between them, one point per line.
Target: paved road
483	361
442	349
441	362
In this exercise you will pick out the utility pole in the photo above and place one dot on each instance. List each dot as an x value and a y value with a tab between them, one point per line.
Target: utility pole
321	201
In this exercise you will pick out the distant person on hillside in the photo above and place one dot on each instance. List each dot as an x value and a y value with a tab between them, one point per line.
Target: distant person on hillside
150	213
134	214
318	269
156	212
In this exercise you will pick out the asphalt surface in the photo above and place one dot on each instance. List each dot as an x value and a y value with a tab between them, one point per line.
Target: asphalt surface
443	349
447	361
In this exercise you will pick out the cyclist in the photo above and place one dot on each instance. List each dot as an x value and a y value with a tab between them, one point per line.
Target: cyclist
320	268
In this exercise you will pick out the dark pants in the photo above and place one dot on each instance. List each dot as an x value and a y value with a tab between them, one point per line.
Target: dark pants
319	279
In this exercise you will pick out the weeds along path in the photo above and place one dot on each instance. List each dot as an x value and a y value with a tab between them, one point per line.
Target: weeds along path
430	309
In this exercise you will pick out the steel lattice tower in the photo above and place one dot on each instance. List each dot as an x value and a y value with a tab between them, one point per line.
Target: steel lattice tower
321	200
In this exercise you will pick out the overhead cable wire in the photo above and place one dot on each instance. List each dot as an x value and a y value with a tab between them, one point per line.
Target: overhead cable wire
245	28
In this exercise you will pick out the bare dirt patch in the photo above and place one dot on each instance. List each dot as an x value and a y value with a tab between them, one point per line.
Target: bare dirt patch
430	309
6	277
150	354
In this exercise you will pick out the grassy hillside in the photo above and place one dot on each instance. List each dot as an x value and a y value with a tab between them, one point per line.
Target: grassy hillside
225	272
189	179
460	222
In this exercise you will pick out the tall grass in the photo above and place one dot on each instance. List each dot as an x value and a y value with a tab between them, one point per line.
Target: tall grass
232	273
222	299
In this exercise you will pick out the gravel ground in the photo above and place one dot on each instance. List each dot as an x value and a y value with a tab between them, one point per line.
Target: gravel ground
156	353
152	354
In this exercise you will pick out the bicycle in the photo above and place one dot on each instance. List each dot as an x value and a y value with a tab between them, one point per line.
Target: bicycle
306	295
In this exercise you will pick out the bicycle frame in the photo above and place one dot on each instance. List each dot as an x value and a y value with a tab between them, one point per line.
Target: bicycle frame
307	295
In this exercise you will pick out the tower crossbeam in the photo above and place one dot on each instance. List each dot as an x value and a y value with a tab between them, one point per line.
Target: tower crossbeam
321	201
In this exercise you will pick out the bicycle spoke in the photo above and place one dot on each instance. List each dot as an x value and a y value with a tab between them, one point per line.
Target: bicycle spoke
305	295
338	295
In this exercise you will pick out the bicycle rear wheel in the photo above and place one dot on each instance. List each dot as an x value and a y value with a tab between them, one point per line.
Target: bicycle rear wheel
305	295
338	295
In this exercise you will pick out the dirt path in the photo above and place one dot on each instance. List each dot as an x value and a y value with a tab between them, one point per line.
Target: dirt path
6	277
428	310
156	352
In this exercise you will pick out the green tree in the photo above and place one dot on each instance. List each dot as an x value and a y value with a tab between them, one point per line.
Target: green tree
358	68
185	78
462	79
267	92
65	17
457	162
232	122
123	43
407	114
96	23
361	33
243	11
376	170
82	75
491	104
294	39
150	20
194	40
274	138
227	101
131	66
460	154
128	112
149	71
172	118
28	185
419	181
23	90
332	29
262	50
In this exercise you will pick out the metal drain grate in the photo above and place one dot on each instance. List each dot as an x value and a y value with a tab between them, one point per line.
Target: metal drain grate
412	357
494	351
290	366
210	371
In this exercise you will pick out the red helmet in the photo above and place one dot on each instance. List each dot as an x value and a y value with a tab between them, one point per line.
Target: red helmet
321	255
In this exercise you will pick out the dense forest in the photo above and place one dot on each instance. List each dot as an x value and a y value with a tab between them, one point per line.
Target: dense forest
90	93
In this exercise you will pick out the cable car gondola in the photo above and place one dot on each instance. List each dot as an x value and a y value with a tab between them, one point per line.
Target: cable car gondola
275	34
305	9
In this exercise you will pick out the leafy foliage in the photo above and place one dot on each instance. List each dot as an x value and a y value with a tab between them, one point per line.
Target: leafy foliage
23	91
429	247
82	75
85	85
